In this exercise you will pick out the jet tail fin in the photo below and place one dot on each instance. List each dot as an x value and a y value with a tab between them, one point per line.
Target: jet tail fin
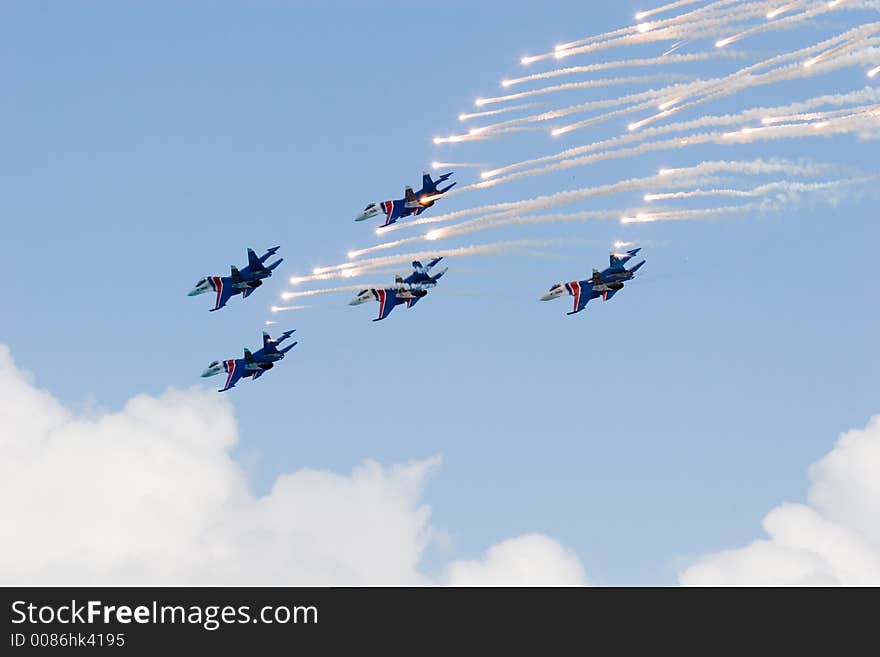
429	186
288	347
267	340
638	265
253	261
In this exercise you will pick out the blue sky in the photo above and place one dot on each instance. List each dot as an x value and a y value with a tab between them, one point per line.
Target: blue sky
145	145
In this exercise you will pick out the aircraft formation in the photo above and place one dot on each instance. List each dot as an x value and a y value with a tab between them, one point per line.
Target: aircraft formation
408	290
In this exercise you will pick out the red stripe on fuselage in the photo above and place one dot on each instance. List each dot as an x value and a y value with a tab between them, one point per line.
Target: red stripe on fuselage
230	367
218	285
382	298
576	292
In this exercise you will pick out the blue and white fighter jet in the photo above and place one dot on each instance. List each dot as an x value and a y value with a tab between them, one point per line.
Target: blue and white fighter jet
252	365
412	203
406	290
240	281
603	284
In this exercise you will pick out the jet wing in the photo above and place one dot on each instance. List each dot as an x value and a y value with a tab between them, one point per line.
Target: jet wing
582	292
234	371
387	299
224	289
393	211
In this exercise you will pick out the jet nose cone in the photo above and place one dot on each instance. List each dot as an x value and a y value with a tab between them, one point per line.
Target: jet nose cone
354	302
546	297
192	293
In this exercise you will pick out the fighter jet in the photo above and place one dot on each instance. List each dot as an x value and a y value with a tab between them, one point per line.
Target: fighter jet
406	290
252	365
603	284
240	281
421	275
413	203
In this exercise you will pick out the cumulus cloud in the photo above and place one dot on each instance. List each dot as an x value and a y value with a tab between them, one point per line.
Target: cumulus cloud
151	495
528	560
834	539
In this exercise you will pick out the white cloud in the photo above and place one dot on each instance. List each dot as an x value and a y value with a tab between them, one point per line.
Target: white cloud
833	539
150	495
528	560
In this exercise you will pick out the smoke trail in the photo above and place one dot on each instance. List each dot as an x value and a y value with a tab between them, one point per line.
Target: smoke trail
503	110
622	216
330	290
708	9
709	21
335	272
589	84
784	131
481	134
684	215
720	87
479	225
868	94
781	23
675	46
671	29
734	84
664	177
491	249
669	144
605	103
457	165
787	186
744	78
664	8
624	63
278	309
781	10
